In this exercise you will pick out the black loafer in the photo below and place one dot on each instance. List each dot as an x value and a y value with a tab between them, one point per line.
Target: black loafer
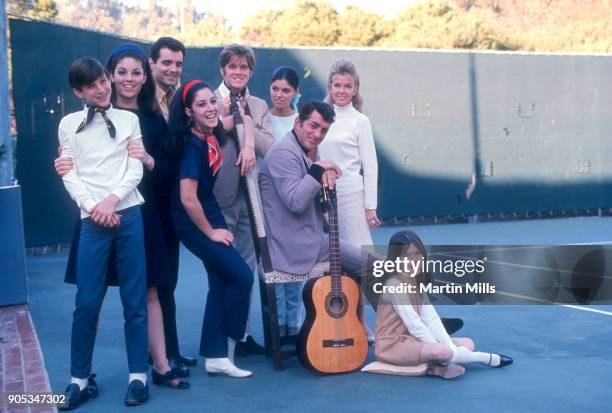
452	325
178	368
92	386
74	396
187	361
248	347
504	361
137	393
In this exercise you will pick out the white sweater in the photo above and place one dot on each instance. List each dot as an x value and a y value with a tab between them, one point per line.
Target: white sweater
102	165
426	327
350	144
281	125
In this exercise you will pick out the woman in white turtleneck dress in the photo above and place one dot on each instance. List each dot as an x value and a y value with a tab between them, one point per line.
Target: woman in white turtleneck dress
350	144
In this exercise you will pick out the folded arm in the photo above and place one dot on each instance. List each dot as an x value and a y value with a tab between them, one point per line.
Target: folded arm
72	182
409	316
296	190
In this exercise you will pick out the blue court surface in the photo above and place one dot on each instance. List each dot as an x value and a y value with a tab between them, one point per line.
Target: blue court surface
563	355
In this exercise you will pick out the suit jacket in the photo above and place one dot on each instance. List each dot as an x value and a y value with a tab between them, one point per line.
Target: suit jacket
290	200
228	179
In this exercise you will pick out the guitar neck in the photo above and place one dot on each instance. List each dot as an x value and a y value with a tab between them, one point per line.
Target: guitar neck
334	246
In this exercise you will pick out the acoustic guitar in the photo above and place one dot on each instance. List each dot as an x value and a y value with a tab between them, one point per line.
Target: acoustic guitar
332	339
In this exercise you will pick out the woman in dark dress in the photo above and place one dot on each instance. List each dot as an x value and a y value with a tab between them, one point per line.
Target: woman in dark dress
195	135
133	90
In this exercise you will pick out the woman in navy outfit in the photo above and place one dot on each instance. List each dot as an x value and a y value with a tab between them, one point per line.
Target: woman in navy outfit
195	137
133	90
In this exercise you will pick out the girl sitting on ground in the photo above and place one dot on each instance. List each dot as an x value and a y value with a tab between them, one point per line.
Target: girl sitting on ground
408	329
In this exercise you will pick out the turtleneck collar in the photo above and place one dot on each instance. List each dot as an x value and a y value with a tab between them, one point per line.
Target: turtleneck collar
345	110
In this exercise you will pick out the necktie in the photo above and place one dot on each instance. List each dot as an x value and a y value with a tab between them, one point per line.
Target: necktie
215	157
91	111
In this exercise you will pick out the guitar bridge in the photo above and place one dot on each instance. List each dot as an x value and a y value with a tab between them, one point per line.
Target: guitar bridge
338	343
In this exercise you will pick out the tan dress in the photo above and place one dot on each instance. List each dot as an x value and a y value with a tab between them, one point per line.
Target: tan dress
394	344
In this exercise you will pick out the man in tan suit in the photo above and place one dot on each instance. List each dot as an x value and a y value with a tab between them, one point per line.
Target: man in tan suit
236	63
166	61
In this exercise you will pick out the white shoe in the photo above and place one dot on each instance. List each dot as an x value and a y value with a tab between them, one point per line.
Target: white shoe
223	365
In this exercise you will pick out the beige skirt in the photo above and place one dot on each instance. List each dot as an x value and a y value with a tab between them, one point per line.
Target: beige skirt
400	350
352	222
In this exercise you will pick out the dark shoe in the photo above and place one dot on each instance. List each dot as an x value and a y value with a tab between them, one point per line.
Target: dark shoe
137	393
167	379
92	386
74	396
452	325
188	361
248	347
178	367
504	361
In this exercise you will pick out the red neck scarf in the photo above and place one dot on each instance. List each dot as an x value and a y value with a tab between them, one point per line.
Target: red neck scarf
215	157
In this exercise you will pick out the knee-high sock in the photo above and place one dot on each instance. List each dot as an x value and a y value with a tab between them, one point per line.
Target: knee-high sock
462	355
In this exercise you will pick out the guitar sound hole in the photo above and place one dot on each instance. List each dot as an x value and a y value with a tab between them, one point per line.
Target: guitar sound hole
336	305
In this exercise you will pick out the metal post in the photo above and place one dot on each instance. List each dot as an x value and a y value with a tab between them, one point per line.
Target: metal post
6	147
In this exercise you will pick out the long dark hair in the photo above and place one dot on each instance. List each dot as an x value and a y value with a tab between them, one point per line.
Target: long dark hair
398	244
146	95
179	125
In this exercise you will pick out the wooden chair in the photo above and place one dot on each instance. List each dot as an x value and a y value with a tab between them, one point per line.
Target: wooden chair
269	311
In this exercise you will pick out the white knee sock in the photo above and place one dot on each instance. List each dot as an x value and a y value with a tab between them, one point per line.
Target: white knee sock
462	355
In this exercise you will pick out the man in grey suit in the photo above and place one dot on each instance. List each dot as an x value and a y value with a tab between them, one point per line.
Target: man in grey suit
290	184
236	63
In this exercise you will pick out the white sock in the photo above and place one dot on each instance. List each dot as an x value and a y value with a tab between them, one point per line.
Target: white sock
462	355
495	360
82	383
231	348
138	376
244	338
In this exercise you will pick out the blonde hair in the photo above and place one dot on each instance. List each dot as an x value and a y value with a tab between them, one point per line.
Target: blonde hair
345	67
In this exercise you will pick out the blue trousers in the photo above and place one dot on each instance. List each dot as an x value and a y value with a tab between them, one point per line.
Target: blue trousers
92	263
229	287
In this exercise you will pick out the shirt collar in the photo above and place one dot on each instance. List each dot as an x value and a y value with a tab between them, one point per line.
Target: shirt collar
160	93
298	142
107	110
224	90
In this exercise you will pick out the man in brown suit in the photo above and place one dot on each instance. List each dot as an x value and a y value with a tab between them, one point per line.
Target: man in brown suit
236	63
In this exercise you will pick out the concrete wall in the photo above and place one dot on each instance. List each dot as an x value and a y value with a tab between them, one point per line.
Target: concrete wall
532	131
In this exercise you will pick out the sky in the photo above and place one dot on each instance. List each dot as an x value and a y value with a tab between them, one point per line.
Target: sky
236	11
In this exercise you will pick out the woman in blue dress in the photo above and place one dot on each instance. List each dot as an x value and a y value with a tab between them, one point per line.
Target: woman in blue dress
195	139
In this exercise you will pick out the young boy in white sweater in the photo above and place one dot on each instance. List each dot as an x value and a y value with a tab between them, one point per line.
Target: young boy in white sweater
103	185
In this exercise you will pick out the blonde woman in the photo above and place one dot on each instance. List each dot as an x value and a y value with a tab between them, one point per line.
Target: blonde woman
350	144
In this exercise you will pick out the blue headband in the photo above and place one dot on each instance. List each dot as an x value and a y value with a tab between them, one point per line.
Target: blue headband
128	47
